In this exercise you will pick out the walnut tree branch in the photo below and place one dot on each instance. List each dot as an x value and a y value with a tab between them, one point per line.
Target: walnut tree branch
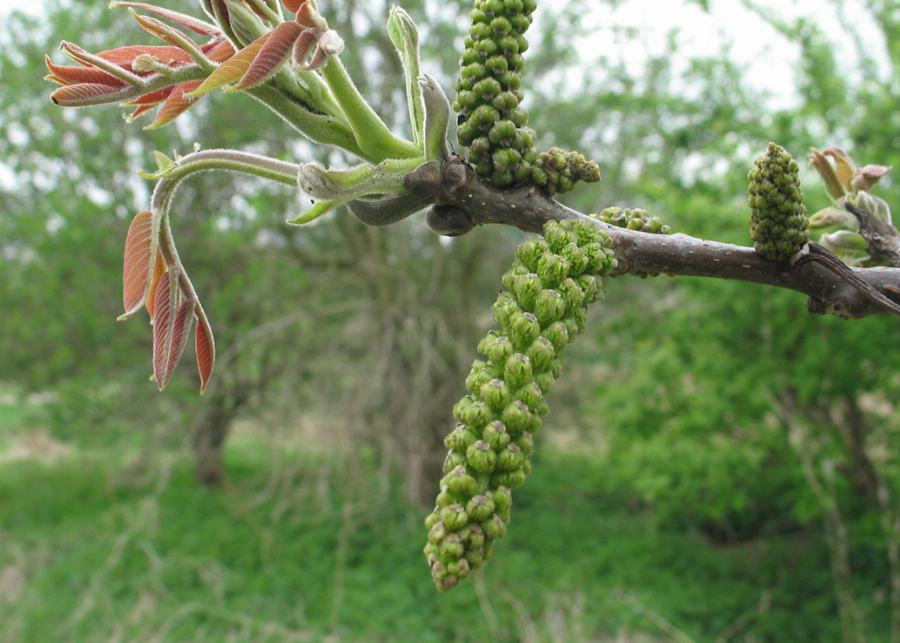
464	201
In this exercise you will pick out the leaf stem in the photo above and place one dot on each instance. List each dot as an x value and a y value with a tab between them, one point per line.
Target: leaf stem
372	135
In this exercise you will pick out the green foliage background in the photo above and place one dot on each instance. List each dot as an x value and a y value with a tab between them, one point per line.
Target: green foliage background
669	500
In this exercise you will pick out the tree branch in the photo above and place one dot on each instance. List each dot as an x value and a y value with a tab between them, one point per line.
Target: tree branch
465	201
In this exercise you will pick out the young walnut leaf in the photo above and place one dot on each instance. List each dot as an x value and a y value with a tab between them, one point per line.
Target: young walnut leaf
159	269
188	22
76	74
272	55
83	94
172	320
232	69
204	347
140	252
175	104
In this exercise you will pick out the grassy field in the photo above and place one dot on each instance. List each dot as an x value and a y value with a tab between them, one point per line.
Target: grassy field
116	544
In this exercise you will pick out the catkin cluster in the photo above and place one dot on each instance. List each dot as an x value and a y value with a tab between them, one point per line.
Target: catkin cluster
634	219
542	308
778	222
492	122
558	170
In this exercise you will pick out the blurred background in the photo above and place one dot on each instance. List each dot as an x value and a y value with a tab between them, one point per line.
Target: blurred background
718	465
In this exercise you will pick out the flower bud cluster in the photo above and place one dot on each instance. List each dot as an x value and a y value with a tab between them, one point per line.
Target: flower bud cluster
491	123
778	222
542	308
559	170
634	219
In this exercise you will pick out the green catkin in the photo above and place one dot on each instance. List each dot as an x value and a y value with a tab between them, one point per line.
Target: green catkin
492	122
542	307
558	170
634	219
778	222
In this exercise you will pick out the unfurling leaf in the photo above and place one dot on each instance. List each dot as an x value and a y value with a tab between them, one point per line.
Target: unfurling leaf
204	347
172	320
188	22
232	69
85	94
140	252
77	74
272	55
159	269
176	104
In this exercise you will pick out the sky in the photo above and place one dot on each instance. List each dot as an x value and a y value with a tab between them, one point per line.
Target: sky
770	58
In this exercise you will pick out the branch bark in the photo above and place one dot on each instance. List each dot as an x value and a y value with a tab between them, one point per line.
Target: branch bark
464	201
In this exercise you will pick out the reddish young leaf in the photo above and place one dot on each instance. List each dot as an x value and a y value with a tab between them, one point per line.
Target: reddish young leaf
76	74
204	348
152	98
271	55
218	50
85	94
159	29
176	104
172	319
188	22
124	56
232	69
138	112
140	252
302	46
294	5
159	269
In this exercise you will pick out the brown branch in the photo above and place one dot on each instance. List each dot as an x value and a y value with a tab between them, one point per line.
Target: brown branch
466	201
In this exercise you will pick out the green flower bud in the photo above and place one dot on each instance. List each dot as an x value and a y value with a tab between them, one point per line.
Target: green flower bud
451	547
437	533
505	308
526	289
454	517
501	350
545	381
552	269
558	237
496	435
481	457
431	520
478	413
511	479
531	395
530	252
517	371
496	394
460	439
549	307
558	335
517	417
460	483
524	328
510	459
494	527
480	508
453	460
526	443
541	353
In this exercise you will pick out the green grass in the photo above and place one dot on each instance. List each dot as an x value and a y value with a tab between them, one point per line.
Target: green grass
145	553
